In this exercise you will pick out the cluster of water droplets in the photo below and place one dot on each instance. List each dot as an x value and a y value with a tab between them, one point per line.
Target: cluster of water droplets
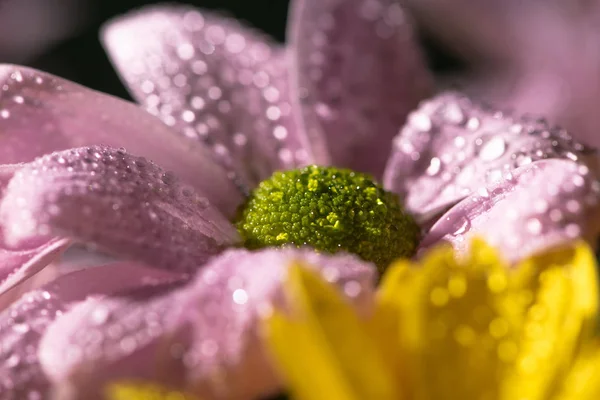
215	81
517	181
351	94
452	147
117	201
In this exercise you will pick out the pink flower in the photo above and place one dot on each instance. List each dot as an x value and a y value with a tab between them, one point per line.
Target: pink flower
234	108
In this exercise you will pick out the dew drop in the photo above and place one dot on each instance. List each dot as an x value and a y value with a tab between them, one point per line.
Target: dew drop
435	166
454	114
352	289
534	226
463	228
493	149
420	121
100	316
240	296
473	123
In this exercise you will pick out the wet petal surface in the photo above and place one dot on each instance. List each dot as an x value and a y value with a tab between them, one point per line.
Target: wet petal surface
202	337
216	82
451	147
16	265
532	209
357	72
118	202
41	113
23	324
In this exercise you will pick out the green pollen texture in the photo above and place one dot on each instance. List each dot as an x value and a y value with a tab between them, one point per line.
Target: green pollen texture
329	209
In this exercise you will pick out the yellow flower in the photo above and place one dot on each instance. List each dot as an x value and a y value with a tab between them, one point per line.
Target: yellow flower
143	391
448	328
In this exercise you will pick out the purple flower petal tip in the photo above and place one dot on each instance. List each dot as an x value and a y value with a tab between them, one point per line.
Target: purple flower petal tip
532	208
117	201
41	113
451	147
23	324
204	336
358	72
216	82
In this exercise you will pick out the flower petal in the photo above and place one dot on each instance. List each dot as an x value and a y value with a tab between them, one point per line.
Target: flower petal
119	202
451	147
214	81
22	324
511	332
533	208
203	338
357	72
40	113
16	265
143	391
323	363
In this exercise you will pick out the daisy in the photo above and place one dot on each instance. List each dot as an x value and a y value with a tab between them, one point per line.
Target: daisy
235	109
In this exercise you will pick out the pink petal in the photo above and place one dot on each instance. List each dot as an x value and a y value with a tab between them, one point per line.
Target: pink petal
16	265
358	73
533	208
451	147
23	324
528	48
40	113
215	81
204	336
119	202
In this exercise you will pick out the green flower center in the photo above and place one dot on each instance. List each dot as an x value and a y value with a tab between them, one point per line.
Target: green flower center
329	209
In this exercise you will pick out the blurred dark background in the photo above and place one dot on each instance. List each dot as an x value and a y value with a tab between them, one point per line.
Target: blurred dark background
61	36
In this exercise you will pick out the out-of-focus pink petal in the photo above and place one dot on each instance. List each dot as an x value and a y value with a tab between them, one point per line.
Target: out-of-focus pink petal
358	72
451	147
524	52
204	337
23	324
477	29
214	81
40	113
532	208
117	201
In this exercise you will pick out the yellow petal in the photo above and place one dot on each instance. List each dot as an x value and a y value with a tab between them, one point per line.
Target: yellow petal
471	328
562	315
143	391
323	349
583	381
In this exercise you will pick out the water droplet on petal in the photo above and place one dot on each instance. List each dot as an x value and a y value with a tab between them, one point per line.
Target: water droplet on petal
240	296
492	149
434	166
463	228
534	226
